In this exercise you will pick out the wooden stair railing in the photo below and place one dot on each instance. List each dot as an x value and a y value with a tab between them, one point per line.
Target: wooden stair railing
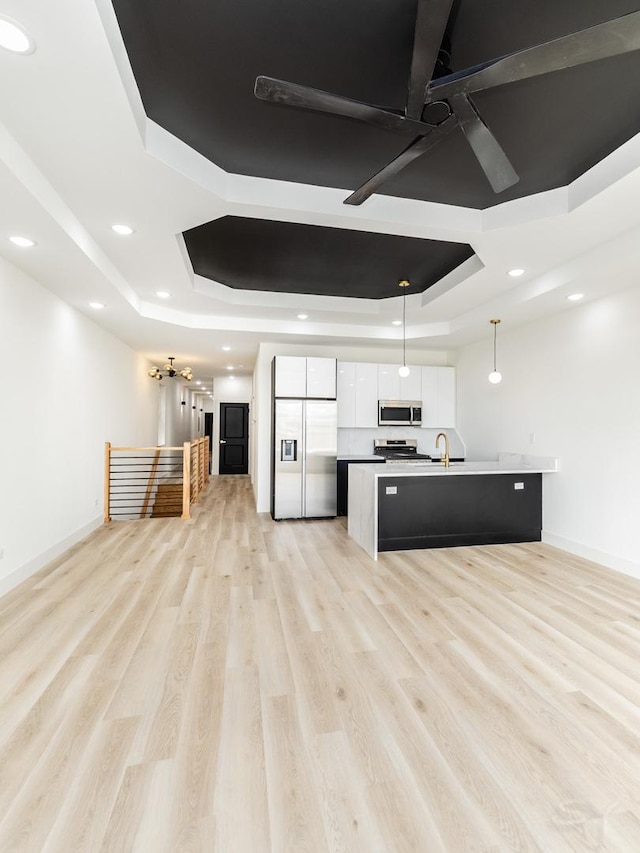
154	482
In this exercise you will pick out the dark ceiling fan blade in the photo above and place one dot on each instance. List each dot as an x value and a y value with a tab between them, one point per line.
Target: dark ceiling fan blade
621	35
493	161
294	95
412	152
431	23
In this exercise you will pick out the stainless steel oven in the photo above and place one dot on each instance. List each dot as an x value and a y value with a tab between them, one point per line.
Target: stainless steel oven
399	412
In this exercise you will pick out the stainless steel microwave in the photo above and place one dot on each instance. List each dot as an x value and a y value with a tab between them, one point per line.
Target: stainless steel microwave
399	412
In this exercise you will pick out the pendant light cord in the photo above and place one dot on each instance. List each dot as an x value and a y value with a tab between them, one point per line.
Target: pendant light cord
404	370
404	328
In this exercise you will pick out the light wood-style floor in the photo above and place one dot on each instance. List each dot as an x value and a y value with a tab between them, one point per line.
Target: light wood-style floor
235	685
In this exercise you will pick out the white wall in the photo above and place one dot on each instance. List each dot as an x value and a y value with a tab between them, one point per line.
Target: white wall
570	389
261	467
67	387
182	422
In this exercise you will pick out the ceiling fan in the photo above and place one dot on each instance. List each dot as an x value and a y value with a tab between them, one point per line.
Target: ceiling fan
439	100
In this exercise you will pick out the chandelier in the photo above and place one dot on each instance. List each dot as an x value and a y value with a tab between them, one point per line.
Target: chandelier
170	370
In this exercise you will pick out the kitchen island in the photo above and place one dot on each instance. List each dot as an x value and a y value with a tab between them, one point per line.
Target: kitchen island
425	505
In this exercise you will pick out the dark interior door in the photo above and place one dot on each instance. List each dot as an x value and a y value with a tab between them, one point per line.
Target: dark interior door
234	438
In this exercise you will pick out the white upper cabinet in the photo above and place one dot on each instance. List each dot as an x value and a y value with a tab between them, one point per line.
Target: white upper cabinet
346	394
429	397
321	378
411	385
367	395
392	386
290	376
357	394
447	396
438	397
388	382
296	376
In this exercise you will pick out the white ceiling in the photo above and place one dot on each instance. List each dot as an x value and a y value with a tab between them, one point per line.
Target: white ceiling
78	154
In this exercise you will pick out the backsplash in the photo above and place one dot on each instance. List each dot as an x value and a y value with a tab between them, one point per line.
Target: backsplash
354	441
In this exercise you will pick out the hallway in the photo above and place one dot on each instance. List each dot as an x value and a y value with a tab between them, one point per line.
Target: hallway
234	685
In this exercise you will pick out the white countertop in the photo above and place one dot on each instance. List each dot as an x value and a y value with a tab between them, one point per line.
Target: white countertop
436	469
507	463
363	457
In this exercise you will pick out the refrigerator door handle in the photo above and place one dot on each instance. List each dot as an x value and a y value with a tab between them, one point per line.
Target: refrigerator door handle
303	454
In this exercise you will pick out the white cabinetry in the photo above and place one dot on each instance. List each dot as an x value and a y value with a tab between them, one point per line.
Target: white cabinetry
346	394
388	382
366	395
429	396
438	395
392	386
410	386
321	378
290	376
357	395
296	376
447	396
360	386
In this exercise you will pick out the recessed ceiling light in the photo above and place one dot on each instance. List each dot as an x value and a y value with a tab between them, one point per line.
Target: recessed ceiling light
574	297
97	305
516	273
198	382
124	230
24	242
396	322
14	38
303	316
163	294
226	349
229	367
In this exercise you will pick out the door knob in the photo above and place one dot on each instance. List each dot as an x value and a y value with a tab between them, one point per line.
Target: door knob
222	441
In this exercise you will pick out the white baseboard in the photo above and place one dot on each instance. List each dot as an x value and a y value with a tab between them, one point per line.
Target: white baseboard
619	564
25	571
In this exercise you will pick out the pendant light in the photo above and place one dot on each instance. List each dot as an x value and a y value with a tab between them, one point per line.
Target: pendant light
404	370
495	377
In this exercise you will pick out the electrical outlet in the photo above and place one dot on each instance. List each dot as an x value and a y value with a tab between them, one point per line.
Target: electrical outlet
518	486
95	503
1	553
391	490
532	438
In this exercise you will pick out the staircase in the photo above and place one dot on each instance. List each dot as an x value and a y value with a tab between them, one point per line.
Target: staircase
167	500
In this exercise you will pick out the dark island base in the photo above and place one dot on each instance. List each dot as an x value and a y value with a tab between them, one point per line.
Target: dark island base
458	539
443	512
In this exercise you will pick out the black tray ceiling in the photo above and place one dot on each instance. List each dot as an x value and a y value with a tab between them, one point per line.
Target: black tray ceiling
285	257
196	62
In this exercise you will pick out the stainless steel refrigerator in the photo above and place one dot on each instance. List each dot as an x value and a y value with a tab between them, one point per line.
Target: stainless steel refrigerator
304	459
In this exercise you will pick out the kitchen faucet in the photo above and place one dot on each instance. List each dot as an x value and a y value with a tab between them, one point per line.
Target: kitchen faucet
445	459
